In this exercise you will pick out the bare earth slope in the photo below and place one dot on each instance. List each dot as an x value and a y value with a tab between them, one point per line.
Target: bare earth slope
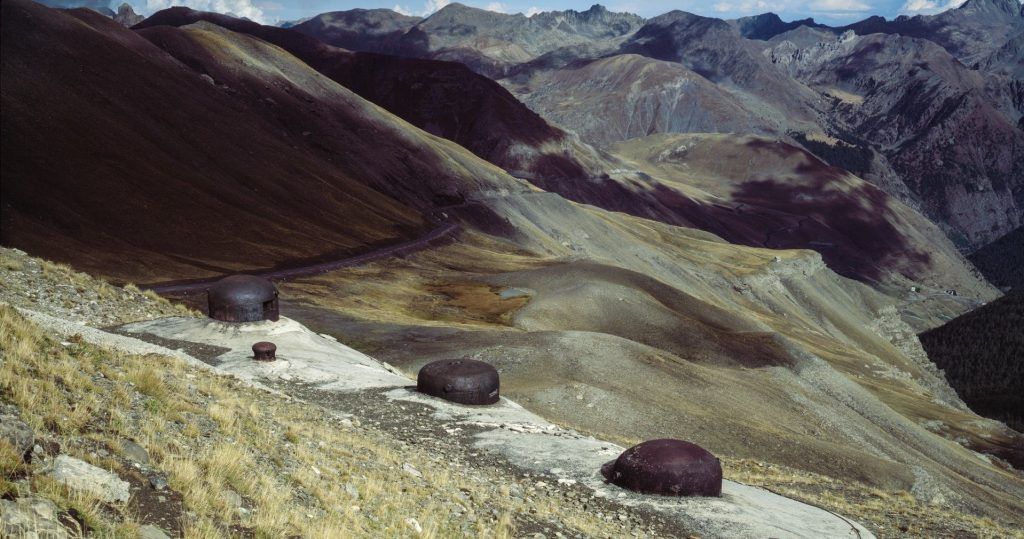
768	193
240	169
667	331
443	98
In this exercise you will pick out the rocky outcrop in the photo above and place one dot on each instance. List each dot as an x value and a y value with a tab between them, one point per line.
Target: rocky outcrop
127	16
933	119
371	30
488	42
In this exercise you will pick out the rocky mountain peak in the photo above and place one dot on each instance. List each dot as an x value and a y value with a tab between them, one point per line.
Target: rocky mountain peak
1012	8
127	16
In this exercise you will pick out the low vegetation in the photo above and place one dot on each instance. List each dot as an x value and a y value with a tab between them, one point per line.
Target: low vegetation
1002	261
886	513
981	353
59	290
238	460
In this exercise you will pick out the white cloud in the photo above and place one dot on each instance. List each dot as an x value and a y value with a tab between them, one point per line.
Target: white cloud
434	5
402	10
496	7
532	10
749	6
238	8
927	7
839	6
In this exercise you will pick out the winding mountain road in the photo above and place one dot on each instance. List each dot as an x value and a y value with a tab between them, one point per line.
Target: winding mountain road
434	237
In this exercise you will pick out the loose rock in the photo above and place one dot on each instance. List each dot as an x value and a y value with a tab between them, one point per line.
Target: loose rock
134	452
82	476
150	531
31	518
17	433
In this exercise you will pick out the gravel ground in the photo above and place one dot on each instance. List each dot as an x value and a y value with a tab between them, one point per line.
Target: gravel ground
60	291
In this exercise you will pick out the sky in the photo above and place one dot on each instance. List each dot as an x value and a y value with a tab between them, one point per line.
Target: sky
827	11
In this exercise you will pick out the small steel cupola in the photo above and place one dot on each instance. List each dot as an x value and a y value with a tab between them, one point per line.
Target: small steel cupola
465	381
667	467
243	298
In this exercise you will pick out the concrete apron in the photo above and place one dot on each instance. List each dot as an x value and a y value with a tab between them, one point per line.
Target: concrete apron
523	439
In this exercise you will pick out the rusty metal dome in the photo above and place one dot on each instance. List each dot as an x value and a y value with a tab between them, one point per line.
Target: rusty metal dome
465	381
243	298
264	351
668	467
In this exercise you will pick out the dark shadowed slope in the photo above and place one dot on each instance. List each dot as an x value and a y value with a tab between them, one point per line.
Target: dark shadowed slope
982	353
767	193
1002	261
443	98
112	165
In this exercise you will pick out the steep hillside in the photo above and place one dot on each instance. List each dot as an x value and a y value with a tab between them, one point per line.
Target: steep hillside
1002	261
759	192
294	167
443	98
933	119
202	454
981	353
488	42
716	51
969	32
628	96
492	43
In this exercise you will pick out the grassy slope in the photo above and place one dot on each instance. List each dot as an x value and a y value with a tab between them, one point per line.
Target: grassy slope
443	303
295	167
299	470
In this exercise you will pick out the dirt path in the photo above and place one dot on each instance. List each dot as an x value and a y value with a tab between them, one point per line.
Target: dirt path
435	236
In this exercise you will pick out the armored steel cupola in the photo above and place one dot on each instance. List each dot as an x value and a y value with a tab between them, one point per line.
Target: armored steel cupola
668	467
243	298
465	381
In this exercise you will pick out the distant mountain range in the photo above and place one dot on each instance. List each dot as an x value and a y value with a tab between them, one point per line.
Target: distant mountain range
913	105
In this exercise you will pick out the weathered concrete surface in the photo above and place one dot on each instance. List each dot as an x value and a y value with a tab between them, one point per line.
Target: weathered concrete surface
506	430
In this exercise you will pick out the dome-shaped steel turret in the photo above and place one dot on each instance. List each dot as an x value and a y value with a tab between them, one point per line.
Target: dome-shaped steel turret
243	298
465	381
669	467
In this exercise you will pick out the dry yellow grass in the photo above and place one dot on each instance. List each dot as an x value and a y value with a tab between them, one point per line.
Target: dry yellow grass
887	513
58	289
300	471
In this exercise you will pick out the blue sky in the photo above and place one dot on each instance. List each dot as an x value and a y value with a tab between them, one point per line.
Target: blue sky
828	11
